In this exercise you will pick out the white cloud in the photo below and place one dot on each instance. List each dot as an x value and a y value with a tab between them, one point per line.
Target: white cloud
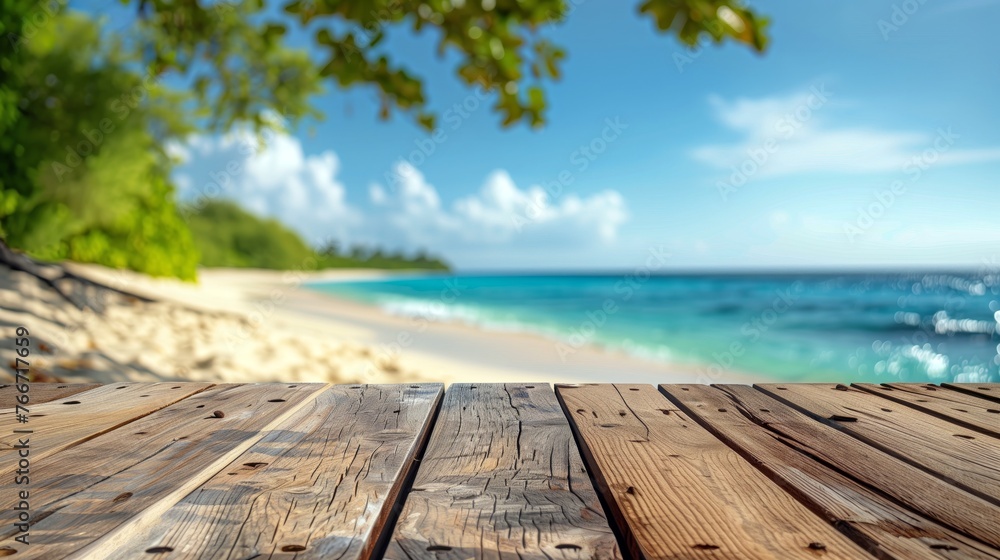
791	135
501	213
274	179
279	180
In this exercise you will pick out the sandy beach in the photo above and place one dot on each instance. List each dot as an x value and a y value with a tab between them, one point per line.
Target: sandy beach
239	325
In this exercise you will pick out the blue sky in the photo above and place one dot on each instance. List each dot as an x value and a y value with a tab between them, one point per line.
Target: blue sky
850	143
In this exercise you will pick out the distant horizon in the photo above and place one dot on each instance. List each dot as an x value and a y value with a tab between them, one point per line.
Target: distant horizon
819	270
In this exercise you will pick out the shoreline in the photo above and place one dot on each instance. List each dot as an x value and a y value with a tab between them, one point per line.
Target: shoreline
294	327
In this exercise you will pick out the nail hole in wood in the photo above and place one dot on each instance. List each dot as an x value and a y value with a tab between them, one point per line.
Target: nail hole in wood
963	436
565	546
529	386
992	411
276	400
839	418
142	396
665	411
292	386
943	547
622	414
722	410
684	389
633	389
218	414
765	410
438	548
72	402
886	410
176	387
122	497
254	465
782	388
200	406
141	433
62	387
630	490
842	387
704	547
122	387
817	546
293	548
418	386
159	549
580	411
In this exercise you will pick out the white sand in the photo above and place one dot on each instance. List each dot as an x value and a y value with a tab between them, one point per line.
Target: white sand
261	326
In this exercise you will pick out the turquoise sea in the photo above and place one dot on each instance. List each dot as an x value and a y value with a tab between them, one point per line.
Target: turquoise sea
911	327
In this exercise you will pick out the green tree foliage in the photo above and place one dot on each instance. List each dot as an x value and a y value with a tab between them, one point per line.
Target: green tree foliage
84	176
226	235
499	44
84	115
229	236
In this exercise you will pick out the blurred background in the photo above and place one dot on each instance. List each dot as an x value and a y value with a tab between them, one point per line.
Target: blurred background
705	190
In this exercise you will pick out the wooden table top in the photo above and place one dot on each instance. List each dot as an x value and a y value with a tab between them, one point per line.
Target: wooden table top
525	471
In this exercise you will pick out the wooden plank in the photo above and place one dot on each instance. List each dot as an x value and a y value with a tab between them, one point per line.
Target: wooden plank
322	484
963	457
966	410
69	421
501	478
99	492
755	426
39	393
679	492
988	391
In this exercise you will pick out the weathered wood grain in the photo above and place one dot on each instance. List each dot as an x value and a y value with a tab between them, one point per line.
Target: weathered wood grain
39	393
988	391
966	410
920	491
91	497
69	421
321	485
679	492
963	457
863	510
502	478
